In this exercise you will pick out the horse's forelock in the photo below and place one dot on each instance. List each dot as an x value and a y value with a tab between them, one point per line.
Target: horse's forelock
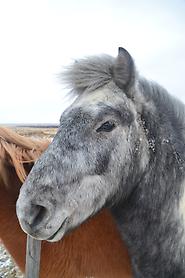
88	74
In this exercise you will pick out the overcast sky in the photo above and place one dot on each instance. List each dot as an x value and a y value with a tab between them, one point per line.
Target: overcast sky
38	37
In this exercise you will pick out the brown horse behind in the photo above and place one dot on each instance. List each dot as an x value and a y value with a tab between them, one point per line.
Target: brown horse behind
95	249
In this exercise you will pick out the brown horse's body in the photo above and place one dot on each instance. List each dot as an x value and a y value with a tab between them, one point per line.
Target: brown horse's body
95	249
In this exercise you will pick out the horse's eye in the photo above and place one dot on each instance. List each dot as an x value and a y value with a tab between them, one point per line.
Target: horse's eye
107	127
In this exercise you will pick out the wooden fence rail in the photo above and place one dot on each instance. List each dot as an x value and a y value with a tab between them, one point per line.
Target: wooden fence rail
33	250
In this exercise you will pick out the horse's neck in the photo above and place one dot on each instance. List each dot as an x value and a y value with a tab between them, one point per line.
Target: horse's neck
152	220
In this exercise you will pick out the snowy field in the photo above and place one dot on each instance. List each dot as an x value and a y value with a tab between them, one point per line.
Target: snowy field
8	269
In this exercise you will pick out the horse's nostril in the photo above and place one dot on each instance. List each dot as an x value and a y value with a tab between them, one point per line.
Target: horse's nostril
34	218
40	215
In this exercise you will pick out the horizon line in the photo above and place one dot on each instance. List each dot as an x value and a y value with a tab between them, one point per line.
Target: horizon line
34	125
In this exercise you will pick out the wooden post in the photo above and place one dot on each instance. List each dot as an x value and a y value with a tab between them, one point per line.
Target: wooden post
33	249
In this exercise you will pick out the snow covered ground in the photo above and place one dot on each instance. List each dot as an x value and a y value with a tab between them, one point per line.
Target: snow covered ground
8	269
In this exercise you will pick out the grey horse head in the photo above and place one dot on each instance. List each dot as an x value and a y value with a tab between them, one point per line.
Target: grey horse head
91	160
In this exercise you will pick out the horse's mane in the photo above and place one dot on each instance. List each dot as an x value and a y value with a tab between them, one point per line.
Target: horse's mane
17	150
163	101
89	73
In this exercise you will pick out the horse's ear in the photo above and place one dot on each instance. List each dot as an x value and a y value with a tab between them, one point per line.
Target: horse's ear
124	70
